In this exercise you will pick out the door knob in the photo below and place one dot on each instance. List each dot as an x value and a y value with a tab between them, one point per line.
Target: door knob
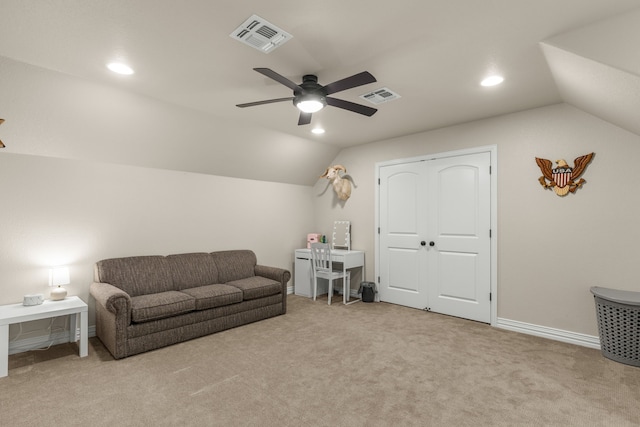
423	243
432	243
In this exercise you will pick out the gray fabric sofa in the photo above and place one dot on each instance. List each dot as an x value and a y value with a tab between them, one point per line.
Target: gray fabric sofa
147	302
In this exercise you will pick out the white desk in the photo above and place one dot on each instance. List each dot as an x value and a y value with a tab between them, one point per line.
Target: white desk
17	313
303	277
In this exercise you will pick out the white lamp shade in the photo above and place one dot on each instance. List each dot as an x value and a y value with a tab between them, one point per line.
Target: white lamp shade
310	106
59	276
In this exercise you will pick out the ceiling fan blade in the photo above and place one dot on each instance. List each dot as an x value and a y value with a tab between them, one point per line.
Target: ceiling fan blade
268	101
359	79
277	77
351	106
305	118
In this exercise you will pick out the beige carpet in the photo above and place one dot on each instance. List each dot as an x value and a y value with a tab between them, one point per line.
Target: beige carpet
367	364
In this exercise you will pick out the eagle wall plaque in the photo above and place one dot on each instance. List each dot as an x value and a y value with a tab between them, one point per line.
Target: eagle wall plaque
563	178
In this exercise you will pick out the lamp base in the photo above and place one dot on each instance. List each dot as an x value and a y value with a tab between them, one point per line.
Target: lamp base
58	293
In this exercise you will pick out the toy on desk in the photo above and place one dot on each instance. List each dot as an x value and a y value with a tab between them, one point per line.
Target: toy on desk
313	238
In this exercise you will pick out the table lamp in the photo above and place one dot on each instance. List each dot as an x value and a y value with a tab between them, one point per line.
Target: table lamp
57	277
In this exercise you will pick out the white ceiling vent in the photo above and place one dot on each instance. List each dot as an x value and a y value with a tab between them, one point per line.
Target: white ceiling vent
260	34
379	96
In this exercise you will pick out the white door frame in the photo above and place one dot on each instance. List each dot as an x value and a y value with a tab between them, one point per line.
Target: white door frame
493	151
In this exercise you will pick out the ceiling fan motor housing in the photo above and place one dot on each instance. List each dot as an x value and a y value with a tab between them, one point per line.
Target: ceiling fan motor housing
311	90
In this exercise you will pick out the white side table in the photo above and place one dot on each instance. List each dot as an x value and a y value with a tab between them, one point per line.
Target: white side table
17	313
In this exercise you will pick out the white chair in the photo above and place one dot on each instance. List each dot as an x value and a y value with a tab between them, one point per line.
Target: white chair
323	269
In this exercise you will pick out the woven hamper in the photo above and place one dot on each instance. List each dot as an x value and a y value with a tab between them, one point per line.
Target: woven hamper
618	314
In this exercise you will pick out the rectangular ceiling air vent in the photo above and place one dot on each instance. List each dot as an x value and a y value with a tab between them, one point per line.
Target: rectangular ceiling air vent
260	34
379	96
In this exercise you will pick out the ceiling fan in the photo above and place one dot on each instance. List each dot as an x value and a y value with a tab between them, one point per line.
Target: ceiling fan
309	96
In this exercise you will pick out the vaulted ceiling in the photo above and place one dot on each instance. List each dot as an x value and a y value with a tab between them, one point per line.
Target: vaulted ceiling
433	53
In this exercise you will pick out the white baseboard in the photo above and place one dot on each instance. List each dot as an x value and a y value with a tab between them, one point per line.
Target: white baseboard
44	341
550	333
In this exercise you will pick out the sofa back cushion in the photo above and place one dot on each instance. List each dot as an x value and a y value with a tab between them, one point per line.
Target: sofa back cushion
138	275
234	265
192	270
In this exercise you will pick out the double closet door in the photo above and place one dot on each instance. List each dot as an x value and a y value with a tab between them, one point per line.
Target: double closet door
434	240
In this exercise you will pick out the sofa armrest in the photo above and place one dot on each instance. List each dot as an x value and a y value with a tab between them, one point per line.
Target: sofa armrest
113	317
113	299
279	274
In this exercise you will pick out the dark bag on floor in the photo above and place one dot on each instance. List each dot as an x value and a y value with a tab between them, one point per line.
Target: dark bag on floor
368	291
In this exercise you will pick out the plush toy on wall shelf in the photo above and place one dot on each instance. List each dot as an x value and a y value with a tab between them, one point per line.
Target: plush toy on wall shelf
563	177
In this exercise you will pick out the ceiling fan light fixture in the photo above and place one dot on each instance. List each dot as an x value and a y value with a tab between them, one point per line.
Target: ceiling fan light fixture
310	106
310	103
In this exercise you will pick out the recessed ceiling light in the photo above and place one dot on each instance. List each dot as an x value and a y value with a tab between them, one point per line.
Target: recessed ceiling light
120	68
492	81
317	131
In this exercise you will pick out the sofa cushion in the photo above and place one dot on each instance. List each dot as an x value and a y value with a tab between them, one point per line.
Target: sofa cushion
211	296
160	305
234	265
192	270
138	275
257	287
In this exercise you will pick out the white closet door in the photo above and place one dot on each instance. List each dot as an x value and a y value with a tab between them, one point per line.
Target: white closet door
403	266
434	245
459	218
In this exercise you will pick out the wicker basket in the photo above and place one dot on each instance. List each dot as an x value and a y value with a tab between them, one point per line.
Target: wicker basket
618	315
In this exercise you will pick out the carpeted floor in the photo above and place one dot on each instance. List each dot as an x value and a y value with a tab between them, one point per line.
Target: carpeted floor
365	364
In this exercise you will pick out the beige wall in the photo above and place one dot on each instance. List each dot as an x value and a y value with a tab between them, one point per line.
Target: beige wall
551	250
57	211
